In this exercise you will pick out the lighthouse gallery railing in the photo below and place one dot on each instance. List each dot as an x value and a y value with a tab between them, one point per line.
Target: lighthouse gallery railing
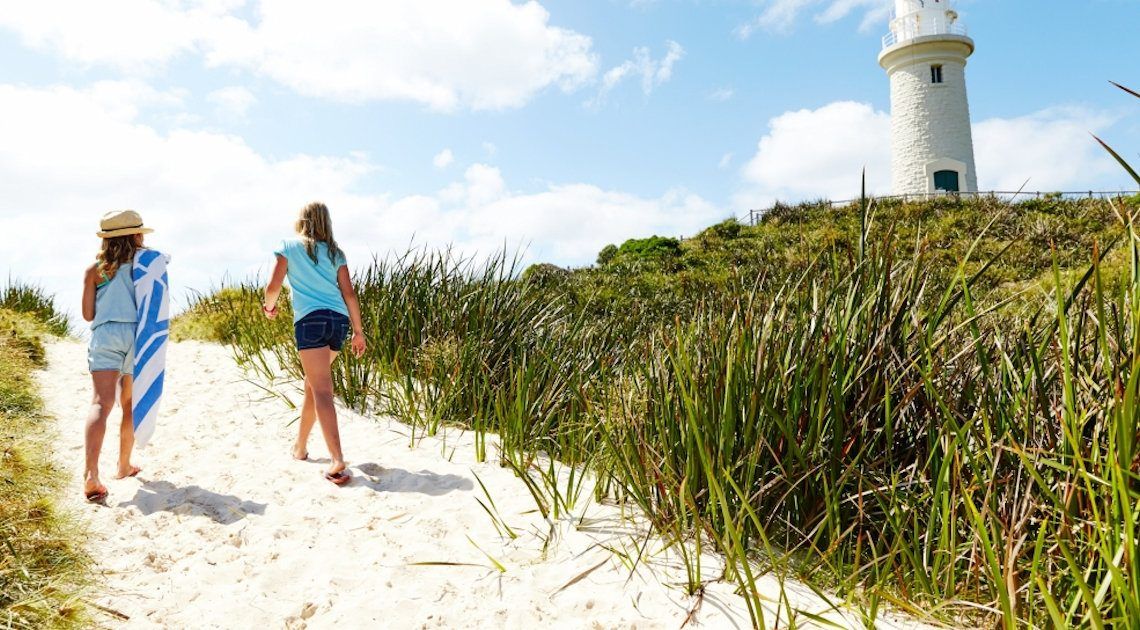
913	27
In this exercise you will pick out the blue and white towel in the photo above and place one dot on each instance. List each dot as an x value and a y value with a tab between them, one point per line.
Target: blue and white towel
152	297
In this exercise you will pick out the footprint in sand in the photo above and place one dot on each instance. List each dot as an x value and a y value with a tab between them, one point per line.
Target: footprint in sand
297	622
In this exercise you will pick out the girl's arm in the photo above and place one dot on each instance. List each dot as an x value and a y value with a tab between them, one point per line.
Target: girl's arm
344	281
89	278
273	289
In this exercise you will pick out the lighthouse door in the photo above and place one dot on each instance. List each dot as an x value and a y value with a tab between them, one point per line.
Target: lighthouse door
946	181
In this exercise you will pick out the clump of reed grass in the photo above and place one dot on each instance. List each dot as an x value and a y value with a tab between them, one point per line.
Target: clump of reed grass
21	297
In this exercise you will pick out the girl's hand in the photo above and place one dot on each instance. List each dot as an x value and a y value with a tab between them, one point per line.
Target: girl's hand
358	344
271	313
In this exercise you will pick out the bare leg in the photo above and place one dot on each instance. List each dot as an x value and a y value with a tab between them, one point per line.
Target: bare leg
101	403
126	431
308	419
316	363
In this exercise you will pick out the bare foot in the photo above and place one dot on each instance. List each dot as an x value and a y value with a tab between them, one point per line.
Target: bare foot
130	471
299	453
94	491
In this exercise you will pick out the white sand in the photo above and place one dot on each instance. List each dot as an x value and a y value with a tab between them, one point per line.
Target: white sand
223	529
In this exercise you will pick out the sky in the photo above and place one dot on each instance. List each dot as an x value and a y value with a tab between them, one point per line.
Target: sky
551	126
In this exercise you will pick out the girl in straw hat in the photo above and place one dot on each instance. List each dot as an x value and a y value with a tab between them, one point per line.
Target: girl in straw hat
109	304
324	308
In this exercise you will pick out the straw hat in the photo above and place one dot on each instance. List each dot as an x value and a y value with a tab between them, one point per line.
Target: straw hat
121	223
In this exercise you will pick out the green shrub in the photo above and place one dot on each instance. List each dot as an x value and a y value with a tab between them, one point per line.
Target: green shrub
725	230
607	254
652	248
545	276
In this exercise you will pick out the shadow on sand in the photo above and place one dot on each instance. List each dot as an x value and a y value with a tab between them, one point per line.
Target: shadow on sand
426	482
156	496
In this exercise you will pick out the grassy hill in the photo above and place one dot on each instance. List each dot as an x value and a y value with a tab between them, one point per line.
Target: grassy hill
664	277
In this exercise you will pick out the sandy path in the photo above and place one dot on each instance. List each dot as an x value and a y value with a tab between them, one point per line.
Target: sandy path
224	530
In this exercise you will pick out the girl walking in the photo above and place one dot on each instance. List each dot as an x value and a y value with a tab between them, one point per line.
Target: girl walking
324	307
109	304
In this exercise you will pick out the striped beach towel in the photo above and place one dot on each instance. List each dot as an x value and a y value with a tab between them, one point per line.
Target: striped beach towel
152	297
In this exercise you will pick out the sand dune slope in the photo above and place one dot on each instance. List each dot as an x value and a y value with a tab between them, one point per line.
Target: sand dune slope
224	530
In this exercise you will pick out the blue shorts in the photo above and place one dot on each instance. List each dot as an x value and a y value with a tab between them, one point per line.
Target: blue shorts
321	329
112	348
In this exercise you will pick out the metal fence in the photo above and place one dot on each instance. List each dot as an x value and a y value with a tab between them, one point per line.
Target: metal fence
754	215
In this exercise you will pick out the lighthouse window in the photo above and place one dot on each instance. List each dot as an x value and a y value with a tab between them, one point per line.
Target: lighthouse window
936	74
946	181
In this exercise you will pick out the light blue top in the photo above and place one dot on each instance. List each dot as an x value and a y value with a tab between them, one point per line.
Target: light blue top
314	283
115	299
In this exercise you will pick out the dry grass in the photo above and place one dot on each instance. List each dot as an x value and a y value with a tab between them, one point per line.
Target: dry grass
43	568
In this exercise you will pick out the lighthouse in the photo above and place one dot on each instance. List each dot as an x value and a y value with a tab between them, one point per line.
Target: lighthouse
932	147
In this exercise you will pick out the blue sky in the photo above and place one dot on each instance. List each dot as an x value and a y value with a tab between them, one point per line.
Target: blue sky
561	125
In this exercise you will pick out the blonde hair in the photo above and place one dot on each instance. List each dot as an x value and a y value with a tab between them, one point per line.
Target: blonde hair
315	226
115	252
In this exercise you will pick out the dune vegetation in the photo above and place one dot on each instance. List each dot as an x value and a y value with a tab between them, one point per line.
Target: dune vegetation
931	405
936	409
43	566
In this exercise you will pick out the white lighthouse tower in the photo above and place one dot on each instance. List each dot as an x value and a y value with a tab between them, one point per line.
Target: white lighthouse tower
932	148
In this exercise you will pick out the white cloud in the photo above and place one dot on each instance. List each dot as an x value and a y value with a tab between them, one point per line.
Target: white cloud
443	159
820	153
809	154
875	12
232	102
566	223
484	54
1046	150
651	72
219	207
781	15
131	35
490	149
725	161
720	95
445	54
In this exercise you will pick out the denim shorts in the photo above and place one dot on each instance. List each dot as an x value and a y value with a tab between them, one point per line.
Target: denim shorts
112	348
320	329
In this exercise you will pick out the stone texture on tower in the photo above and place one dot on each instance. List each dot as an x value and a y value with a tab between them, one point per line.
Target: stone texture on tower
925	56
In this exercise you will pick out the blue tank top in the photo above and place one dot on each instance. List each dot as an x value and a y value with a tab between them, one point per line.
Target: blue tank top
314	284
115	299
